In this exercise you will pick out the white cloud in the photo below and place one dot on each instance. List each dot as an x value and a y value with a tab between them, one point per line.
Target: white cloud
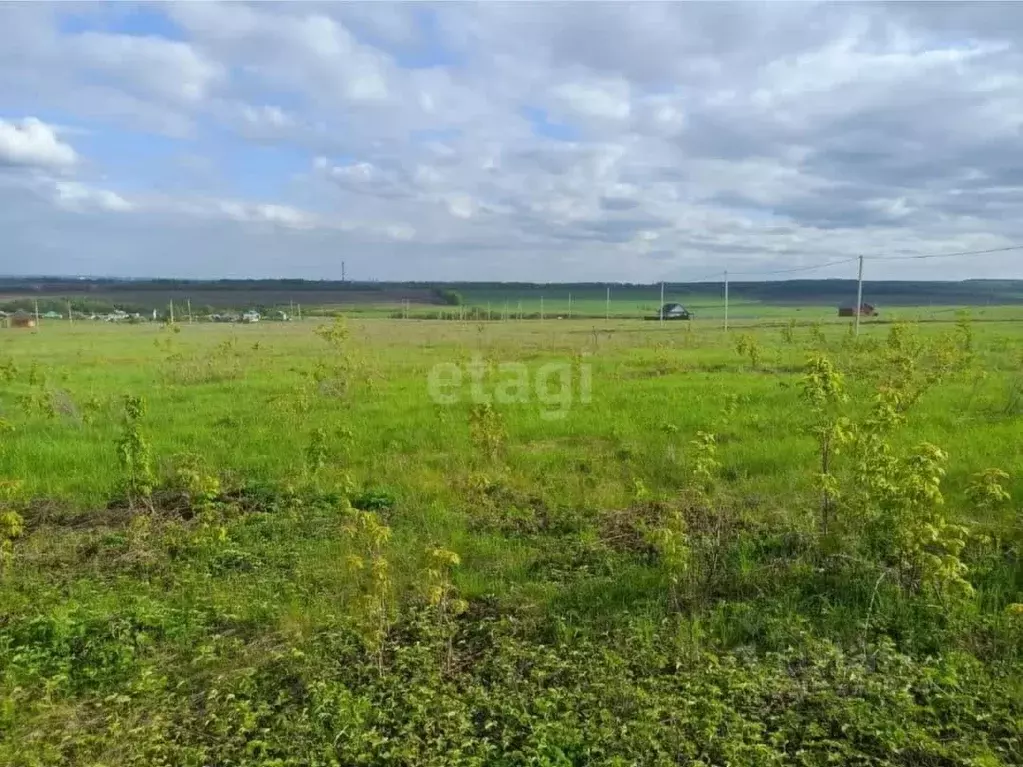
461	206
761	136
307	51
139	81
283	215
602	99
76	196
400	232
33	143
266	116
357	173
149	65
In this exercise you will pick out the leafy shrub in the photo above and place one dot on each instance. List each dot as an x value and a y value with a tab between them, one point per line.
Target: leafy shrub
449	297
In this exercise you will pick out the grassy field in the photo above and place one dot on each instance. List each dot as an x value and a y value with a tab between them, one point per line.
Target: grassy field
307	544
804	300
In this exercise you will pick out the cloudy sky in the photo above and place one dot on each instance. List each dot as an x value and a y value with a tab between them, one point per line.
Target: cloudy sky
536	141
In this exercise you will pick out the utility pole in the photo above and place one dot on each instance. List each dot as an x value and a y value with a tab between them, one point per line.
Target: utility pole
342	271
726	300
37	312
520	309
189	302
488	311
541	308
70	317
660	311
172	311
299	307
570	306
607	305
859	297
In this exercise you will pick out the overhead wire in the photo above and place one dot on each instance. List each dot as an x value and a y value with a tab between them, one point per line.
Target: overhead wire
809	268
945	255
717	276
712	275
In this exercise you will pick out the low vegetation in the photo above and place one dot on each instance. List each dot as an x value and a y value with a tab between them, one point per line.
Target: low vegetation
269	545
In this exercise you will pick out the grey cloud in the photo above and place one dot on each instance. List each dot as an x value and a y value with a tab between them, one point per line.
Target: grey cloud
618	203
691	135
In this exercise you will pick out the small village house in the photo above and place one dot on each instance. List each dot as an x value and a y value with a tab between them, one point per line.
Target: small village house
21	319
673	311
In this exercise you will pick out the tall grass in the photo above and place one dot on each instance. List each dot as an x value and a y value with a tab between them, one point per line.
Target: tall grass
730	554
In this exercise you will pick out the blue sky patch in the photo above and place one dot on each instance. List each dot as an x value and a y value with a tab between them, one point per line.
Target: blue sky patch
120	18
545	127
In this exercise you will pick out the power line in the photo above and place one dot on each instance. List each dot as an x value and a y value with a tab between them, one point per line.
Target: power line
717	276
798	268
946	255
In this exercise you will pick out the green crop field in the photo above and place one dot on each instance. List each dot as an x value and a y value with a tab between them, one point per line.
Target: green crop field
371	541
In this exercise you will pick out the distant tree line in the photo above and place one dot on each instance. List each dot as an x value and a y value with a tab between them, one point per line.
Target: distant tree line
79	305
138	292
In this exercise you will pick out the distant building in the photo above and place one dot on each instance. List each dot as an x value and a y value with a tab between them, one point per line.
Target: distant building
673	312
865	310
250	317
22	319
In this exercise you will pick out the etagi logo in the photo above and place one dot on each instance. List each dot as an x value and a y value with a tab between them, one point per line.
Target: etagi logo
555	386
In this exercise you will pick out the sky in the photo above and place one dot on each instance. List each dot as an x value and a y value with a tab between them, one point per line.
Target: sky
633	142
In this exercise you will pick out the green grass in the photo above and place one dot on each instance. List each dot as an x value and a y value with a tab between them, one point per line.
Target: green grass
232	631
